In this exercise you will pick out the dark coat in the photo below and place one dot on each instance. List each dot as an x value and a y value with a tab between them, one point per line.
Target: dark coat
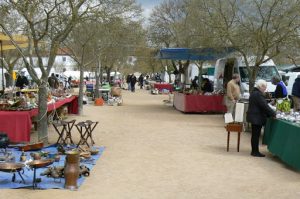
258	109
296	87
133	80
21	82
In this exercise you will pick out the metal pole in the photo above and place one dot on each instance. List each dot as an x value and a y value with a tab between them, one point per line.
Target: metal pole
2	65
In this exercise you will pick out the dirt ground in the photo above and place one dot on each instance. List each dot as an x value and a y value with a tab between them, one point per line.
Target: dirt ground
155	152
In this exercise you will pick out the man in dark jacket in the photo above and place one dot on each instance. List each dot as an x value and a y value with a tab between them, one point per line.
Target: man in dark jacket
128	81
296	94
141	81
257	114
22	80
132	83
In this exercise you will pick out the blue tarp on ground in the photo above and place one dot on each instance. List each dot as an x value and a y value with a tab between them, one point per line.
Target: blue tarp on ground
46	183
200	54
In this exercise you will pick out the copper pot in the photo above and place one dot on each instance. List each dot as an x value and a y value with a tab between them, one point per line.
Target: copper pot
71	171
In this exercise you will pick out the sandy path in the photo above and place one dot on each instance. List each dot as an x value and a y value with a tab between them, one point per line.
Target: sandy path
153	151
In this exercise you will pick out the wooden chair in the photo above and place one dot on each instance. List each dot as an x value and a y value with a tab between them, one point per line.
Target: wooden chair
234	127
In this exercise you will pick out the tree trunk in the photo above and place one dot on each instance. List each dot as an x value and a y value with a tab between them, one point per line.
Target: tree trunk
108	69
10	79
42	127
97	74
252	78
200	76
80	98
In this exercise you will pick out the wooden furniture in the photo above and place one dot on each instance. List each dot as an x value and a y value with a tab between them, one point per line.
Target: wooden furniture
85	130
64	133
17	124
234	127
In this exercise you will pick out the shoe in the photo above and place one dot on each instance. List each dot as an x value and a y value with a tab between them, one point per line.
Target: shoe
258	154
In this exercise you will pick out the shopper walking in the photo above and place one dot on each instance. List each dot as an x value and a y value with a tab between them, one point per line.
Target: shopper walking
141	81
132	83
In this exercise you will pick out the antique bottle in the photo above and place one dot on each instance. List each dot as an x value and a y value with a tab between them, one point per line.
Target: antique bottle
71	171
23	157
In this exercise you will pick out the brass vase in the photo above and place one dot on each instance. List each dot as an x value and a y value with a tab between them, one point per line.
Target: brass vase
71	171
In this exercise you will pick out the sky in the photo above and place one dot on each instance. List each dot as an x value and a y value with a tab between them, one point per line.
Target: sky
147	5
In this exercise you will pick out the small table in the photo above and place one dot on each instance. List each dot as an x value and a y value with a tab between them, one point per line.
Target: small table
36	164
234	127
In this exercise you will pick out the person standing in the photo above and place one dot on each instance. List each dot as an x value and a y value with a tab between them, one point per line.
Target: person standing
233	93
296	94
128	81
141	81
206	86
195	84
280	91
132	83
257	114
53	81
22	80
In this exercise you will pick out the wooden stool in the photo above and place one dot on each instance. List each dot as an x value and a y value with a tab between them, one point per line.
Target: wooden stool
85	130
64	134
234	127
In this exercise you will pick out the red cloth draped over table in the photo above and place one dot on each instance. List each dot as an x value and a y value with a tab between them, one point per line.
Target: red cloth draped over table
199	103
163	86
17	124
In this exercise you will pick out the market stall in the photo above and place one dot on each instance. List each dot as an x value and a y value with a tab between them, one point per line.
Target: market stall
17	124
283	140
163	86
191	103
188	100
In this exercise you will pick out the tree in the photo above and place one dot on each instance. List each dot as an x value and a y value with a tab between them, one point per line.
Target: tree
169	26
45	22
120	43
256	29
83	51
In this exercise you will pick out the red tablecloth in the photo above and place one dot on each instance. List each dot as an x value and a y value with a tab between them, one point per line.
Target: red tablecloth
163	86
199	103
17	124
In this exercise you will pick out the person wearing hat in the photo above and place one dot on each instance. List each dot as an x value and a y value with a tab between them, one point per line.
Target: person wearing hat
22	80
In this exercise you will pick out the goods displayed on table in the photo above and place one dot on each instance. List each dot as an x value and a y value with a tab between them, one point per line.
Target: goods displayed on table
289	116
27	99
283	105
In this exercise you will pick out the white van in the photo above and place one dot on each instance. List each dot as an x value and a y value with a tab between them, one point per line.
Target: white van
225	67
289	79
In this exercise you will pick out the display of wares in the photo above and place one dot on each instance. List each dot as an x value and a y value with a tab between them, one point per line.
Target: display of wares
291	116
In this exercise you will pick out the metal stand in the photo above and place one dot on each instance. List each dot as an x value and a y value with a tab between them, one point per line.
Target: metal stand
34	182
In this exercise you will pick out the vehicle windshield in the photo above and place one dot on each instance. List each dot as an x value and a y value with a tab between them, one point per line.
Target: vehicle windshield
265	72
